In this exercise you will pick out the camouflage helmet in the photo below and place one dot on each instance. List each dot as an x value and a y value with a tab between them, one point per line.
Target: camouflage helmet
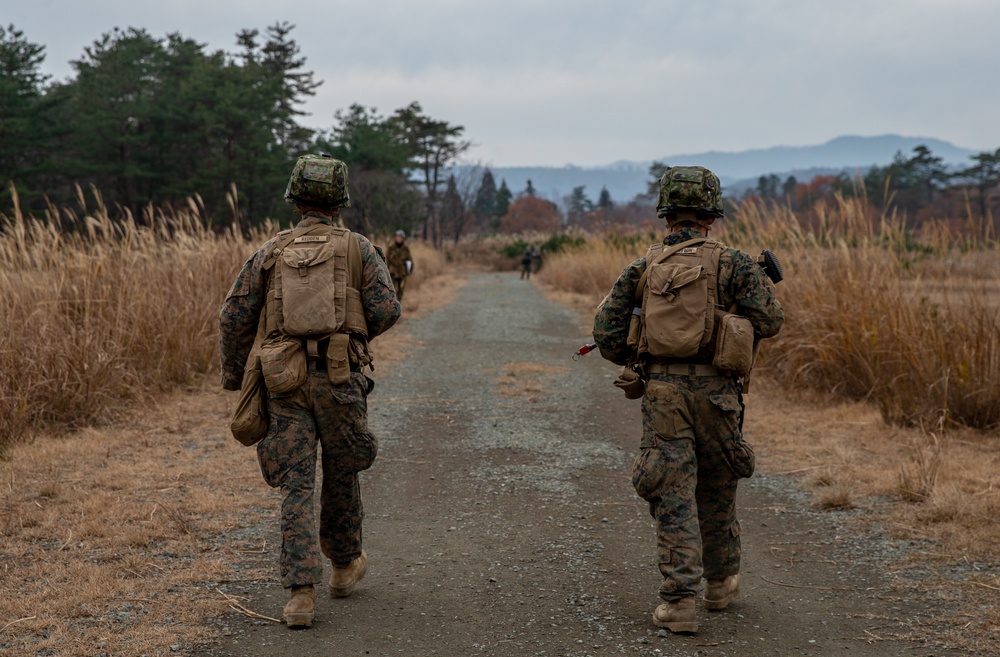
691	188
319	181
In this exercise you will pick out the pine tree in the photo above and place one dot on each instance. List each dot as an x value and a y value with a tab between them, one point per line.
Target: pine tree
26	125
504	197
604	201
486	197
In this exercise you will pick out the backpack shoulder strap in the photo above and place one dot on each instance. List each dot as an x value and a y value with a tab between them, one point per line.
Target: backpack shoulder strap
666	253
710	263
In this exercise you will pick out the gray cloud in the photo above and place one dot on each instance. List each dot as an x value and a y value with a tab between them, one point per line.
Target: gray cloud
592	82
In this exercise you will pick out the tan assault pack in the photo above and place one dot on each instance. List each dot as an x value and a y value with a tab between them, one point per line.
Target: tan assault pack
313	294
676	314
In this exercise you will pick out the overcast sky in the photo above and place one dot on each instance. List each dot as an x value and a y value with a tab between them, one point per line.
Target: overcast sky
588	83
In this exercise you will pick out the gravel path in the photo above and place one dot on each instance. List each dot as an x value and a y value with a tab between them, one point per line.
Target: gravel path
501	519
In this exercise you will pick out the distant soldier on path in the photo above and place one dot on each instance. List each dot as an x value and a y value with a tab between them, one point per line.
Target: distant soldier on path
400	262
526	260
302	310
664	319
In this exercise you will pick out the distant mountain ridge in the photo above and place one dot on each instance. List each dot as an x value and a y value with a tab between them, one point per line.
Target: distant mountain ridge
737	170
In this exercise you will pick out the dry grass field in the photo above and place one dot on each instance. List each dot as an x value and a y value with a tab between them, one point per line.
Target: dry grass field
115	532
886	379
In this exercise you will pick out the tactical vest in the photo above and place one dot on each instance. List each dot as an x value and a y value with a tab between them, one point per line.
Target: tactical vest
314	289
674	317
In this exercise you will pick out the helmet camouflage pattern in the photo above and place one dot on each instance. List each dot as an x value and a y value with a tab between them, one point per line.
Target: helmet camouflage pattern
320	181
692	188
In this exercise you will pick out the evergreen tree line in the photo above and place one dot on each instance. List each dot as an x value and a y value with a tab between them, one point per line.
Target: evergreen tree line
919	185
150	121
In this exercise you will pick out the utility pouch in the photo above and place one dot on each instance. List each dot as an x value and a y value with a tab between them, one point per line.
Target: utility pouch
283	363
338	363
630	383
250	419
734	344
634	329
360	355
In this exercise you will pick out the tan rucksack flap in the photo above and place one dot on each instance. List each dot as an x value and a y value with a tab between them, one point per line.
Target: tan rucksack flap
677	313
311	285
675	309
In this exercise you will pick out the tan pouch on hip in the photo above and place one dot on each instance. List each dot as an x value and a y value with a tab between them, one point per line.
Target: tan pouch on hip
734	345
338	363
283	363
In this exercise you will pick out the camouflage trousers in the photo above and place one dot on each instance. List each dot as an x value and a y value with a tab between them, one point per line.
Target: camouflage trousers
334	420
692	456
399	283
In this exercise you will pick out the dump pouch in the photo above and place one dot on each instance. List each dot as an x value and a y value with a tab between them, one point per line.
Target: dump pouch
338	363
734	345
250	419
283	363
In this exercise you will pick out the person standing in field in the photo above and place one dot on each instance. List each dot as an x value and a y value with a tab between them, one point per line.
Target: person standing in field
400	262
685	320
526	259
303	310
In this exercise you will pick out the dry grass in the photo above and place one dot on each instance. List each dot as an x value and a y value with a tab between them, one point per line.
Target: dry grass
939	489
95	320
911	323
113	538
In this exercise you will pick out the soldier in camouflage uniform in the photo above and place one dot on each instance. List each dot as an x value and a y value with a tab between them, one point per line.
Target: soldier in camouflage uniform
692	452
318	413
400	262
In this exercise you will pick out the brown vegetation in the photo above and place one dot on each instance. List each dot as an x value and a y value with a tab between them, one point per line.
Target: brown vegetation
117	538
98	318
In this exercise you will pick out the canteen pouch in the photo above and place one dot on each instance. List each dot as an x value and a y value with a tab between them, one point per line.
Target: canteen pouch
283	364
338	364
250	419
734	344
630	383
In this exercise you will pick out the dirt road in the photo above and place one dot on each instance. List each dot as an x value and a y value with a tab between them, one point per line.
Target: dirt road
501	519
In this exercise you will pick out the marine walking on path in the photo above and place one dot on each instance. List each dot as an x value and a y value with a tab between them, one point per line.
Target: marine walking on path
400	262
300	316
685	321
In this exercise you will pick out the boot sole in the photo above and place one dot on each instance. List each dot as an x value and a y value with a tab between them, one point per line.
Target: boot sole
299	620
677	628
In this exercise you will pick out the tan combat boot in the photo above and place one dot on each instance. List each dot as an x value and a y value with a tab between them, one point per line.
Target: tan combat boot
720	592
677	616
299	610
343	578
